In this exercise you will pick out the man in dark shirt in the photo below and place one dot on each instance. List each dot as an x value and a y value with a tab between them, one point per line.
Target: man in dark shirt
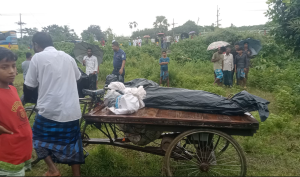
234	53
248	53
119	61
241	67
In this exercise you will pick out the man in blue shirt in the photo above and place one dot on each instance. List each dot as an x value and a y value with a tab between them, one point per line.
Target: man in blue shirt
119	61
164	72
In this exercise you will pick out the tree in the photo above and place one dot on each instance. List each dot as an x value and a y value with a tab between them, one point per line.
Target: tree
133	24
285	14
187	27
60	33
161	24
92	31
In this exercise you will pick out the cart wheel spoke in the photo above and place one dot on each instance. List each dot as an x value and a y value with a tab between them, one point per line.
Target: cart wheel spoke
204	153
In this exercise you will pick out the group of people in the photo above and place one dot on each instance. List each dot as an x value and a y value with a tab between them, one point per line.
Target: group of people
227	62
136	42
55	135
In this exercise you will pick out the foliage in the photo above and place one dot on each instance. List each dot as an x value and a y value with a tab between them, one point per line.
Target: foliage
60	33
93	31
133	24
187	27
285	14
161	24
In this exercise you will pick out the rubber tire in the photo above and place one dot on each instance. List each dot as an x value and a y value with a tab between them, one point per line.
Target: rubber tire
166	164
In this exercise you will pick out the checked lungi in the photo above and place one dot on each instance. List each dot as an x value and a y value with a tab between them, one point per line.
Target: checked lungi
60	140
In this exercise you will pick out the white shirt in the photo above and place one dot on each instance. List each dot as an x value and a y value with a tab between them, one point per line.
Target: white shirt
228	62
168	38
91	64
55	73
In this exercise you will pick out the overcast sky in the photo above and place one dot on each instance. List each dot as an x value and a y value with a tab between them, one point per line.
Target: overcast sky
116	14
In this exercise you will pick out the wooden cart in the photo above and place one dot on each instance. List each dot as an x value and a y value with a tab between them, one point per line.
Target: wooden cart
192	143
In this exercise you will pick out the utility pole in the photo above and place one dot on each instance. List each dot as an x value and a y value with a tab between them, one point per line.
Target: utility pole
218	16
173	27
21	23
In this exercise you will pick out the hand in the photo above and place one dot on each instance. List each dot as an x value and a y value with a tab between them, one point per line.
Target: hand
95	72
248	52
121	71
245	69
5	131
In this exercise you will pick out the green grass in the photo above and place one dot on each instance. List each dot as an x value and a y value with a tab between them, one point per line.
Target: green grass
272	151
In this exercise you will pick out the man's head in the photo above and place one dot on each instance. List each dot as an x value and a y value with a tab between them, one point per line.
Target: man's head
40	41
164	53
240	51
89	52
115	46
222	50
236	46
28	56
228	50
246	45
8	68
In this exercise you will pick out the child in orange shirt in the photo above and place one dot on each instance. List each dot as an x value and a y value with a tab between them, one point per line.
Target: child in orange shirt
15	130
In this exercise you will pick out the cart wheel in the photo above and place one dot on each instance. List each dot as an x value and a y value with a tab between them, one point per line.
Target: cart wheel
34	158
204	153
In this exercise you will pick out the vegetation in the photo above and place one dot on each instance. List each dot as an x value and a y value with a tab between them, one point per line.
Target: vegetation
274	75
285	14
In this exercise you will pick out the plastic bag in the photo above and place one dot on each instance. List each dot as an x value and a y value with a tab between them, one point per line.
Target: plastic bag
111	78
92	82
139	92
139	134
110	98
141	82
200	101
126	104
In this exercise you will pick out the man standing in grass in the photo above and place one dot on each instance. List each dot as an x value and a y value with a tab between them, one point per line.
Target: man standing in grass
164	72
25	64
217	59
91	63
228	67
119	61
56	130
241	67
248	53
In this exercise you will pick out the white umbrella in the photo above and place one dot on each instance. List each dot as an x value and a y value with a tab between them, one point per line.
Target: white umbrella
218	44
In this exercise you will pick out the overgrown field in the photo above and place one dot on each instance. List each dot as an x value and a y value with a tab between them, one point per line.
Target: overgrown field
274	75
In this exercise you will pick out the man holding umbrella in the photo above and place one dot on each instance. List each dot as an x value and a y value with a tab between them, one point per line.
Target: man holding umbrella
91	63
119	61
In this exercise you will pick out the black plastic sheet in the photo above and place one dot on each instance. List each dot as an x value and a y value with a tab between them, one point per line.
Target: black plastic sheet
200	101
82	83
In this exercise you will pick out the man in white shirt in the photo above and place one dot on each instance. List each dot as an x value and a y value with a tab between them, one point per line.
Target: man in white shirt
228	66
56	130
91	63
140	42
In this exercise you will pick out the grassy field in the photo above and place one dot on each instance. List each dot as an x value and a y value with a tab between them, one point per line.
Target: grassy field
272	151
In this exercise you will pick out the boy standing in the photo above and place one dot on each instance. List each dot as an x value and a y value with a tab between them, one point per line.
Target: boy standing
241	67
217	59
164	72
15	130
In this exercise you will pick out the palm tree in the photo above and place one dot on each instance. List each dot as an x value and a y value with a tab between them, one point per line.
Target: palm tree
133	25
161	24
